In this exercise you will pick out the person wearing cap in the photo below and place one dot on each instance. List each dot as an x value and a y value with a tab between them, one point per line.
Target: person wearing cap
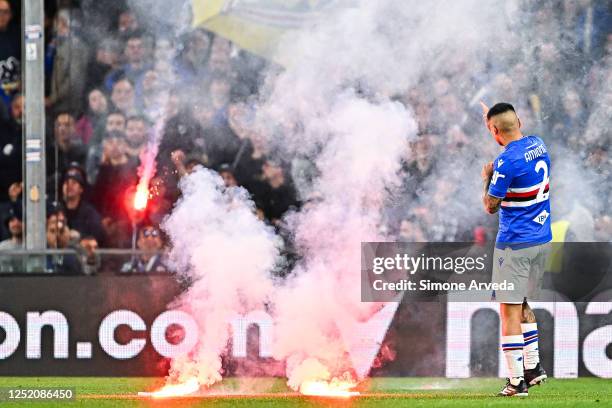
150	242
81	215
14	223
60	236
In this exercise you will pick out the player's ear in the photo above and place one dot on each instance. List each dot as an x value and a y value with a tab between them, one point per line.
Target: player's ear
519	122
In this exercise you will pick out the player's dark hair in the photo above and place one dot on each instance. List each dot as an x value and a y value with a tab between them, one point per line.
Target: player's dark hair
499	108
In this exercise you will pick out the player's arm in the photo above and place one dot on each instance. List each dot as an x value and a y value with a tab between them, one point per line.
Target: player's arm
491	203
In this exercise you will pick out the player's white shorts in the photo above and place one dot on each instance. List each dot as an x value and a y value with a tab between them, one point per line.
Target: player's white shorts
524	268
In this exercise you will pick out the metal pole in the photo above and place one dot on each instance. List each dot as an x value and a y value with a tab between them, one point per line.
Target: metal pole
34	121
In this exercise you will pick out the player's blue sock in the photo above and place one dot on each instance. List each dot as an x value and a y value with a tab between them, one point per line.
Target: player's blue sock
530	349
512	346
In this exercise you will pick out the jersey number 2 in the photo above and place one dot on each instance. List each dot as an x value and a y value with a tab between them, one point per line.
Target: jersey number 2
541	165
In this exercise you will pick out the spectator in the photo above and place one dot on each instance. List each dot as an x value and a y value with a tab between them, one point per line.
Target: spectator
115	122
123	97
117	234
70	62
150	242
135	65
106	60
127	24
10	52
592	26
276	193
152	97
572	119
164	49
94	117
419	164
156	97
220	88
249	162
81	215
117	173
219	62
182	132
136	132
90	259
59	237
186	164
14	196
191	62
14	224
68	146
227	174
10	144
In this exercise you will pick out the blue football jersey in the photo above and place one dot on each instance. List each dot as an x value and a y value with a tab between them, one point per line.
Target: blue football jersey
521	176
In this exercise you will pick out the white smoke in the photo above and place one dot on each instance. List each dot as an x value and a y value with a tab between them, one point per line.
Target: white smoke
227	252
333	105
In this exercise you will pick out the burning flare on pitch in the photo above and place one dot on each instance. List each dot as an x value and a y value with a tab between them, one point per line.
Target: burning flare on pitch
174	390
311	377
334	388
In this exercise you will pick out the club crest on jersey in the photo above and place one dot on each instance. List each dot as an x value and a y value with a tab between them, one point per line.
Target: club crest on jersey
499	163
541	217
496	175
501	261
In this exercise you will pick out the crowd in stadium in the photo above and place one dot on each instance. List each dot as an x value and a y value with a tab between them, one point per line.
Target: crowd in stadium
105	95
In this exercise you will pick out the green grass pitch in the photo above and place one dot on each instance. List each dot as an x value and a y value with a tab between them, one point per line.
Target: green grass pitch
268	392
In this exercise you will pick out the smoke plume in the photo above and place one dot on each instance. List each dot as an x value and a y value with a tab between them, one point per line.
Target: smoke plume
347	104
227	253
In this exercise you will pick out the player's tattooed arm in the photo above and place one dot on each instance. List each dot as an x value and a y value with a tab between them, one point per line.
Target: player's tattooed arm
491	204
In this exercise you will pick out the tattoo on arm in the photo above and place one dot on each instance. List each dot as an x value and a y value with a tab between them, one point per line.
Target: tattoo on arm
491	203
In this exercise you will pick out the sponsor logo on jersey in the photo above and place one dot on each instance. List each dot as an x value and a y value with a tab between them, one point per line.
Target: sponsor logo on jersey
541	217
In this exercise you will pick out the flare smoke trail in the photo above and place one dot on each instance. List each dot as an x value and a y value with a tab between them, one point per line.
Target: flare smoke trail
146	170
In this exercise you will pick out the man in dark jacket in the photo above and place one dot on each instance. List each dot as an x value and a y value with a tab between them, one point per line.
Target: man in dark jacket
80	214
10	147
10	52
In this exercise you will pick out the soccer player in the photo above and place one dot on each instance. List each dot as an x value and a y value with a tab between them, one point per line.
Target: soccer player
517	184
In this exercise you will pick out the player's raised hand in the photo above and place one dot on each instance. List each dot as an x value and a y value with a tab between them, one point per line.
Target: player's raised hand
485	110
487	171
